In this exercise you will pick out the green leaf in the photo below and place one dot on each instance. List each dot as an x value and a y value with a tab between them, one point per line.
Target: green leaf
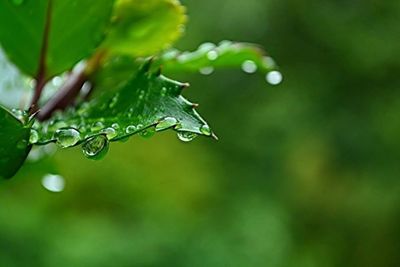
251	58
14	143
143	28
148	102
74	30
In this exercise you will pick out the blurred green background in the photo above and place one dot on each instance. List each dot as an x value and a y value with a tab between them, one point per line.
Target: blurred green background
305	174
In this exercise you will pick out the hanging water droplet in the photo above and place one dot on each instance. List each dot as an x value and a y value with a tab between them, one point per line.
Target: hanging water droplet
249	66
57	81
205	129
96	147
212	55
97	126
130	129
186	136
53	183
147	133
110	133
166	123
34	137
274	77
67	137
206	70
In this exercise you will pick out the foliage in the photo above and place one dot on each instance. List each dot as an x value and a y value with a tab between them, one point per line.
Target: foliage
102	65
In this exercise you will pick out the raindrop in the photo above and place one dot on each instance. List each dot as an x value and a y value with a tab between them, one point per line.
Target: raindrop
57	81
130	129
166	123
206	70
274	77
186	136
115	126
67	137
97	126
96	147
163	91
53	183
34	137
110	133
212	55
249	66
147	133
205	129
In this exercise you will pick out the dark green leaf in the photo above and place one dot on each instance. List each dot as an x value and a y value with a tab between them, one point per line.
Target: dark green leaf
148	100
14	143
75	28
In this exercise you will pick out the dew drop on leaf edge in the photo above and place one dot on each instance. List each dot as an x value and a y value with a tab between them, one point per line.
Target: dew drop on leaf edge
34	136
96	147
166	123
186	136
67	137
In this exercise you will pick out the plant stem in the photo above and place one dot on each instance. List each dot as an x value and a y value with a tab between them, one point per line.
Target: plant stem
41	75
69	91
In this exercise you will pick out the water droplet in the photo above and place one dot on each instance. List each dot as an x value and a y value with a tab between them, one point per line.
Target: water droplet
130	129
110	133
67	137
53	183
57	81
205	129
147	133
34	137
206	47
115	126
97	126
249	66
274	77
206	70
96	147
163	91
186	136
166	123
212	55
19	114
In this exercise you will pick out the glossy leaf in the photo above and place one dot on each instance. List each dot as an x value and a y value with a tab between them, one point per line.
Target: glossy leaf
148	100
143	28
62	32
14	143
251	58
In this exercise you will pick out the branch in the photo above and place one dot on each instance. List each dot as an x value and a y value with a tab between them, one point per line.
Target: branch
41	76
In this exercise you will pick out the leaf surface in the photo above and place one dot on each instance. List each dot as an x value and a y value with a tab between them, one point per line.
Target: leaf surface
251	58
143	28
147	102
14	143
62	32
